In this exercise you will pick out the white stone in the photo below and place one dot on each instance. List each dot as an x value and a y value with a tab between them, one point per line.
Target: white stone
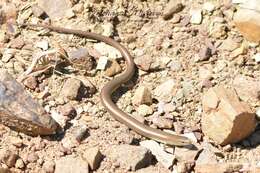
164	91
102	63
107	50
209	6
144	110
196	16
108	29
163	157
44	45
256	57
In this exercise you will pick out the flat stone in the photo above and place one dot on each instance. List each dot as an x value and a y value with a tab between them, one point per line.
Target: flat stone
107	50
209	6
71	164
205	157
93	157
247	22
196	16
29	117
229	45
142	96
152	169
163	157
225	118
102	63
55	9
247	88
131	157
164	92
204	53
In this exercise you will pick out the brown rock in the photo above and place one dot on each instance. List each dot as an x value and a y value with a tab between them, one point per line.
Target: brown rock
247	88
142	96
81	59
226	119
247	22
8	157
29	117
171	8
112	68
68	110
30	82
93	157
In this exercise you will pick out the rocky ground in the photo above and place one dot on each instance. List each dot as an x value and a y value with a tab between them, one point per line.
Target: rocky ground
181	49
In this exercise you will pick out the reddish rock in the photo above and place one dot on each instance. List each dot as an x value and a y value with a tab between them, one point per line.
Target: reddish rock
225	118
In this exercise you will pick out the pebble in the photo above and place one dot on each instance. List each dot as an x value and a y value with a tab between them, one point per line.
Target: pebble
31	82
108	29
209	6
204	54
102	63
69	164
81	59
107	50
144	110
48	166
162	123
32	157
130	157
256	57
164	92
60	119
143	62
112	68
37	11
142	96
196	16
43	44
206	157
72	89
8	157
247	88
163	157
8	54
67	110
186	154
171	8
80	132
258	113
17	43
57	11
93	157
19	164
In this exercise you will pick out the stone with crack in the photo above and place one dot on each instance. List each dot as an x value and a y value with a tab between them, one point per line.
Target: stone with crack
20	112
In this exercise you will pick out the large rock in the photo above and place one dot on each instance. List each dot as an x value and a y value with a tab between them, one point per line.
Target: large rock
71	164
225	118
20	112
131	157
248	23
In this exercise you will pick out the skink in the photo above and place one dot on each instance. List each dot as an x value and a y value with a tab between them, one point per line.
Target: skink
112	85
